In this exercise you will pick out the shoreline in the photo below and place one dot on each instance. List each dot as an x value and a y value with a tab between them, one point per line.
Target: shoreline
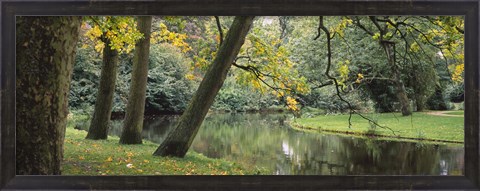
298	127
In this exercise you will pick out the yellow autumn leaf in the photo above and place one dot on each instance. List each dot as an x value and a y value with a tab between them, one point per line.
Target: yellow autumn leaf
99	47
96	32
292	104
457	73
360	76
190	76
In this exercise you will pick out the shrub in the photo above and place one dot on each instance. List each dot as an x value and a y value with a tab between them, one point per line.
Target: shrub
167	89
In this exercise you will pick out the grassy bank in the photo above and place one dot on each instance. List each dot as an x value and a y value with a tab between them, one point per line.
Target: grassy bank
107	157
419	126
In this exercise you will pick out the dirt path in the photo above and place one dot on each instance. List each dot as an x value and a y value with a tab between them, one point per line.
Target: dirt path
442	113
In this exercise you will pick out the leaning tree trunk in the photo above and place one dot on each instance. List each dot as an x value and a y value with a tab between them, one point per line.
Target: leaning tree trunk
179	140
133	123
45	51
103	104
397	81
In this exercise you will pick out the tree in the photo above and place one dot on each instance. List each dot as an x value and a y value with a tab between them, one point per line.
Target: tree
267	66
420	42
103	104
112	35
400	91
133	123
179	139
384	36
45	51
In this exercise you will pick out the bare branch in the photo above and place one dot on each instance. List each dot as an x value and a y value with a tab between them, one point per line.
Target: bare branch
337	86
357	22
94	20
319	28
375	22
220	30
322	85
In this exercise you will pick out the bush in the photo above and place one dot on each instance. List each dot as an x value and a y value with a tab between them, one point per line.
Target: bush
167	89
233	97
438	101
327	100
455	93
85	79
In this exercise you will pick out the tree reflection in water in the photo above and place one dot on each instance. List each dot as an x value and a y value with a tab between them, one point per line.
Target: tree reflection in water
264	140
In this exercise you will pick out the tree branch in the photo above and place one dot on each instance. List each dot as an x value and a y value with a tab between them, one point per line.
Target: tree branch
322	85
220	30
327	73
94	20
363	27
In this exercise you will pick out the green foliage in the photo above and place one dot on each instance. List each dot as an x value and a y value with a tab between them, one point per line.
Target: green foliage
269	67
204	39
167	91
354	57
285	55
120	31
167	88
455	93
327	100
85	79
421	43
234	97
439	101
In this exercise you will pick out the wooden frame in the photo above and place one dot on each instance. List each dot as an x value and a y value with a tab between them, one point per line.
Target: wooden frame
467	8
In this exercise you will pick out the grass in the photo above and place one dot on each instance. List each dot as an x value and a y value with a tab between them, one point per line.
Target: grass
108	157
419	126
458	112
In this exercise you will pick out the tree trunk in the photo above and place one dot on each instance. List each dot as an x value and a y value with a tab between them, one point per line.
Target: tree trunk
179	140
420	103
133	123
103	104
45	51
398	84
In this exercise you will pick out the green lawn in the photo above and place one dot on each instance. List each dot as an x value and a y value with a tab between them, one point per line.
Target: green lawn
107	157
419	126
459	112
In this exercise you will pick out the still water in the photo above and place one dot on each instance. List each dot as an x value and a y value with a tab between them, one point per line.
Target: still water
264	140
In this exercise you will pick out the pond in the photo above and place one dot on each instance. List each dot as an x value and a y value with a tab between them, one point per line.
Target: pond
266	141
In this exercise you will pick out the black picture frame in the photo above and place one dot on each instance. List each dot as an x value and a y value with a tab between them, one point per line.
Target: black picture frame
12	8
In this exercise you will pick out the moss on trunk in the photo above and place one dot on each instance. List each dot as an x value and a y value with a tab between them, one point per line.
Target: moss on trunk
45	50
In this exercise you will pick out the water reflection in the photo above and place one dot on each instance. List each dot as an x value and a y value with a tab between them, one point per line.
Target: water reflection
263	140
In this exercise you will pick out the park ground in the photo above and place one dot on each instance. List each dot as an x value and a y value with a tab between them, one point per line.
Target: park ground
108	157
436	126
